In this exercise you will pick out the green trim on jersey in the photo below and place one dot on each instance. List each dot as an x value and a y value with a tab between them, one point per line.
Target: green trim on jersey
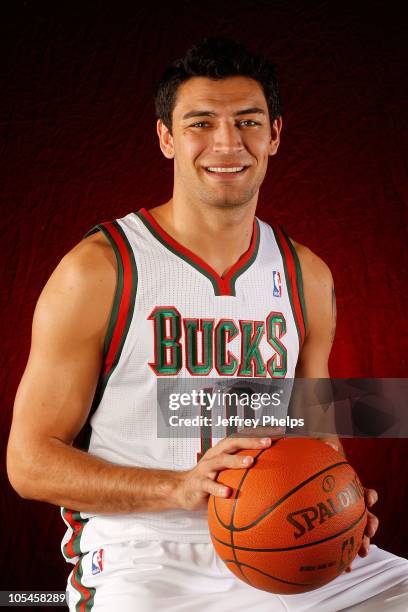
104	377
85	598
195	264
74	543
250	261
288	285
118	292
170	247
299	277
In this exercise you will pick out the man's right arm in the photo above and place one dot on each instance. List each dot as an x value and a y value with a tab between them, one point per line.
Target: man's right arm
55	395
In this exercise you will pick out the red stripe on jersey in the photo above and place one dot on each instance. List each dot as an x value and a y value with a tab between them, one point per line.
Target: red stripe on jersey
125	300
223	284
76	527
85	593
245	257
291	267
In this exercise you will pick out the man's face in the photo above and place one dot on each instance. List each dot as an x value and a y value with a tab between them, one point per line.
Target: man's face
221	141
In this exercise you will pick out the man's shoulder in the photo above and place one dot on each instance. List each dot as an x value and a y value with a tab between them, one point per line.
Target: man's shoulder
314	268
93	250
76	302
89	268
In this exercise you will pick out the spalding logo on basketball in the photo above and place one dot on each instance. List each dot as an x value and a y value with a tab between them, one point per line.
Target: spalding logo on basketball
295	519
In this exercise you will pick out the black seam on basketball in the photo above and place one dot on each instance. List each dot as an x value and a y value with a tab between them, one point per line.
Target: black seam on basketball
282	499
231	528
234	505
231	525
269	575
339	533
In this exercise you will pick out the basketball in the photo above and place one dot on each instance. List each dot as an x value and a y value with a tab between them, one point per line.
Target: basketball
293	521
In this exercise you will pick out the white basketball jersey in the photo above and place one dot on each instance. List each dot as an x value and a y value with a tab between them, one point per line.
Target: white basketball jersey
175	318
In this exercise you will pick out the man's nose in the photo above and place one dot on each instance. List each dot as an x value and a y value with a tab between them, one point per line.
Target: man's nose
227	138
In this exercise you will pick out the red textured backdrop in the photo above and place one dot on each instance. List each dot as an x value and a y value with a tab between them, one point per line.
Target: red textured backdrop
79	146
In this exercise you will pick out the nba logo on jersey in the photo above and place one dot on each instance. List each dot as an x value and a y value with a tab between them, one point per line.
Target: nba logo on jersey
277	285
97	561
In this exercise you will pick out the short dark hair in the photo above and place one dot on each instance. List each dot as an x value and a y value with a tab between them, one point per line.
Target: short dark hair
216	58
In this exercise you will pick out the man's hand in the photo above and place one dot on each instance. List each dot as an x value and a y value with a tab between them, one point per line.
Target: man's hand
200	482
334	442
371	497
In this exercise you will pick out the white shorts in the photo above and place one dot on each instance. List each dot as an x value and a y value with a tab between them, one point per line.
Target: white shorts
179	577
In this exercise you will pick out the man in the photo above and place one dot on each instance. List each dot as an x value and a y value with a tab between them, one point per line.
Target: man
189	289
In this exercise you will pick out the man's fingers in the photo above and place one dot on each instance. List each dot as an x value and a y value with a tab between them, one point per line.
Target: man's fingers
227	461
275	432
215	488
372	524
238	442
365	545
233	444
336	448
371	497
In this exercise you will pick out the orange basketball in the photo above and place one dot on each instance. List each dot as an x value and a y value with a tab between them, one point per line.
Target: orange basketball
294	520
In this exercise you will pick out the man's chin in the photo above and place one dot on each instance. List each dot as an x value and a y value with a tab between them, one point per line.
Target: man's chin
227	200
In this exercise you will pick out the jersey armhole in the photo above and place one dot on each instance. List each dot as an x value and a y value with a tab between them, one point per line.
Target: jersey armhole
294	281
121	314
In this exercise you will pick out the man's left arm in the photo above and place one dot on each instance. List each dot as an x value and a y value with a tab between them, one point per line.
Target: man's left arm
320	302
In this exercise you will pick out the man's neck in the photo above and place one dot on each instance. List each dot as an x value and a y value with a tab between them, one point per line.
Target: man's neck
218	237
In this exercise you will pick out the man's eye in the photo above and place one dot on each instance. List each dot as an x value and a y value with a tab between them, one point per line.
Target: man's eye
200	124
248	122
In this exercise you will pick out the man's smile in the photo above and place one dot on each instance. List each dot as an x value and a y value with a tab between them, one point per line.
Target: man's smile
226	172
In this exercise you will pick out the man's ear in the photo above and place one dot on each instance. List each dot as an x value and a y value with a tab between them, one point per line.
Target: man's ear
275	135
165	140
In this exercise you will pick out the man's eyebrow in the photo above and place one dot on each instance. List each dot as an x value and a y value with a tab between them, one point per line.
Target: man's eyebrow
205	113
198	113
251	111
